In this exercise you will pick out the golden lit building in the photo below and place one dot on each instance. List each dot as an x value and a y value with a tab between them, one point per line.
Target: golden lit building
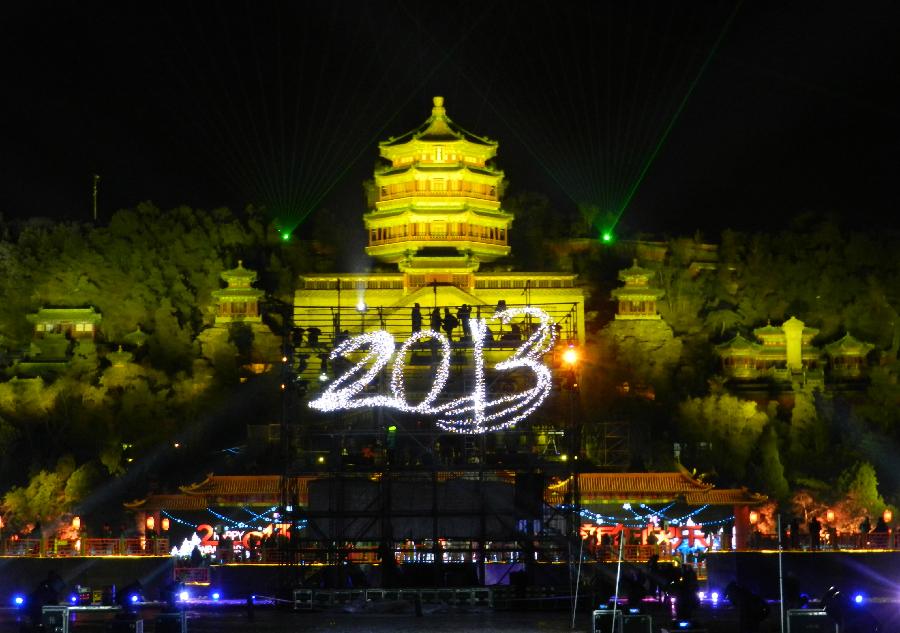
436	214
637	299
782	350
239	301
848	356
438	189
786	350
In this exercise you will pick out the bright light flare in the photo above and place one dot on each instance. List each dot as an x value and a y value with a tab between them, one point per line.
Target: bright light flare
570	356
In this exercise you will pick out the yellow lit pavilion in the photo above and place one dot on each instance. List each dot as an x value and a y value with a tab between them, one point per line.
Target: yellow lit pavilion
436	214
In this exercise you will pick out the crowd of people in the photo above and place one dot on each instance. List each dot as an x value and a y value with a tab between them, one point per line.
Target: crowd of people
454	323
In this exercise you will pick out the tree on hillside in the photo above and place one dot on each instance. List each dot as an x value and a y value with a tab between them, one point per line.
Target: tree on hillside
728	426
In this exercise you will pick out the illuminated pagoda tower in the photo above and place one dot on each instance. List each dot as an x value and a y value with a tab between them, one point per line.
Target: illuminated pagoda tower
239	301
436	213
237	305
438	193
638	335
637	300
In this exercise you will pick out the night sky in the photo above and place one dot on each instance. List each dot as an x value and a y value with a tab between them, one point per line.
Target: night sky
736	115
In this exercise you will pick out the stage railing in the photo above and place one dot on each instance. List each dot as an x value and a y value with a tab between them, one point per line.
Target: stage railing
835	541
60	548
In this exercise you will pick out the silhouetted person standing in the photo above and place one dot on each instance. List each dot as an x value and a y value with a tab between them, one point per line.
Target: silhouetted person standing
864	528
416	319
795	533
463	314
685	592
752	609
815	529
450	323
436	319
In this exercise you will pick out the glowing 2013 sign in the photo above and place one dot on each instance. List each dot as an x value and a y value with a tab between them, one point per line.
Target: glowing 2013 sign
474	413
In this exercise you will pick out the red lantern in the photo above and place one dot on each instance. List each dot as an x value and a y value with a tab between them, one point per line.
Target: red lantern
76	523
754	517
165	524
888	515
829	516
151	523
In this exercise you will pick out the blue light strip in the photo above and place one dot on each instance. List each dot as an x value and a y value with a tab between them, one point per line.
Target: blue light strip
177	520
645	518
262	516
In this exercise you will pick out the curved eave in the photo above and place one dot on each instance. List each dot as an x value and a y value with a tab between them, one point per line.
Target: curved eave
637	293
403	173
238	294
431	210
438	130
397	251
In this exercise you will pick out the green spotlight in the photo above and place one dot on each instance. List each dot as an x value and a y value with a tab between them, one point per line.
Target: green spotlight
286	235
607	237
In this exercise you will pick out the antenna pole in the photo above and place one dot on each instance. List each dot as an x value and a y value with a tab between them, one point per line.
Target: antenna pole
94	195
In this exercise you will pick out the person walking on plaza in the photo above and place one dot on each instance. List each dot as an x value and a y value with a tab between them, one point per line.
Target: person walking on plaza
815	529
416	319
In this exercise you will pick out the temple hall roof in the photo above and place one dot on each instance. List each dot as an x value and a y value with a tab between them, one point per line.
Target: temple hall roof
848	346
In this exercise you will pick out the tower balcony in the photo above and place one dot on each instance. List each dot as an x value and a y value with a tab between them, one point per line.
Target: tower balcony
439	194
457	241
397	249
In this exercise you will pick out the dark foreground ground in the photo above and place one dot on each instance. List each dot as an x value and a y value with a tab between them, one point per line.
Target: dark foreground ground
436	619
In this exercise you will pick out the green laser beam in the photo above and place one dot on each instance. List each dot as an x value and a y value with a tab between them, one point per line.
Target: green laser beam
665	135
390	120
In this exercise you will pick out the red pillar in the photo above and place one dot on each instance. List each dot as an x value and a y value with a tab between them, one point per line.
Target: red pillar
741	527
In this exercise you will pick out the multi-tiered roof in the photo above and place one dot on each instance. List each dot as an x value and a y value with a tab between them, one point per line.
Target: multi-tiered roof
438	199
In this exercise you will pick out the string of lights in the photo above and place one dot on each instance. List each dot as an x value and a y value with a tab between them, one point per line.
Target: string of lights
643	520
193	526
261	517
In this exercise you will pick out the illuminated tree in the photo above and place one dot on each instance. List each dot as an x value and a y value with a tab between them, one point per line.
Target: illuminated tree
731	426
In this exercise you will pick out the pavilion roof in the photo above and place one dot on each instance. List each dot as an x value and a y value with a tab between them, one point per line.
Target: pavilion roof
649	487
737	344
439	128
599	487
230	489
848	346
768	330
154	503
725	496
66	315
239	274
635	272
136	338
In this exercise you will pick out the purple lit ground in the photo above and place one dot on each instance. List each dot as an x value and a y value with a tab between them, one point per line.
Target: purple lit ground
231	616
